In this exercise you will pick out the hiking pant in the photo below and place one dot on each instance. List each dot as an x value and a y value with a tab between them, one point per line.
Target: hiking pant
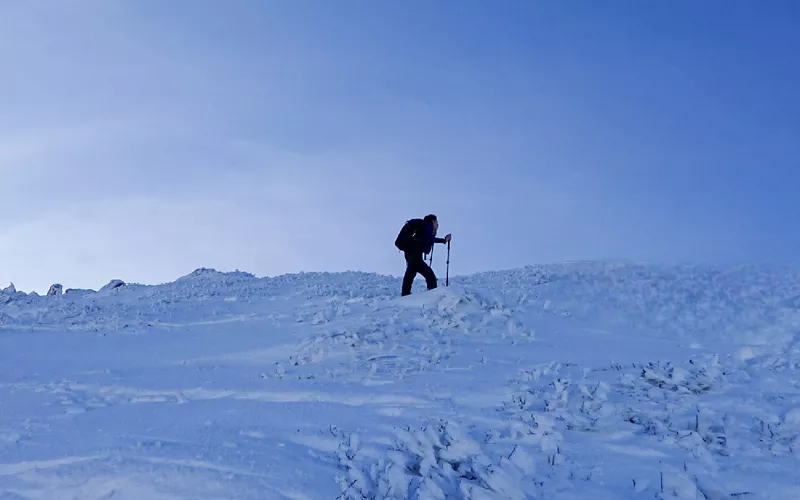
416	264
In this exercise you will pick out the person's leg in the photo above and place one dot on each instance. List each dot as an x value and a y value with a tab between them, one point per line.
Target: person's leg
412	263
430	277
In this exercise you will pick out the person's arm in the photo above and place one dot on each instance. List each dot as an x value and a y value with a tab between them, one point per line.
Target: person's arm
442	240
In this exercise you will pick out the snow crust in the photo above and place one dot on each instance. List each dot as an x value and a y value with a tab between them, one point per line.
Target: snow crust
582	380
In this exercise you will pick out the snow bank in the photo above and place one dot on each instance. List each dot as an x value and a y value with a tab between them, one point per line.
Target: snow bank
747	306
204	294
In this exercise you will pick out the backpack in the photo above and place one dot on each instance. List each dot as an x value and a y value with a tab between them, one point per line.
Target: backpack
405	239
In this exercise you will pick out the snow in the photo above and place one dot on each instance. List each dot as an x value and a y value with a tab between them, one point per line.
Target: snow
582	380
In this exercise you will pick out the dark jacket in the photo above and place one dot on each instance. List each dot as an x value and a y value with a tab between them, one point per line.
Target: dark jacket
424	239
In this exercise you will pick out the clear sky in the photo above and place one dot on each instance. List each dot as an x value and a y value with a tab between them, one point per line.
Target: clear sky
141	139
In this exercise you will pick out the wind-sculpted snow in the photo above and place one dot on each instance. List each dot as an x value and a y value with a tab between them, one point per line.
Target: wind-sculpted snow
569	381
439	460
649	430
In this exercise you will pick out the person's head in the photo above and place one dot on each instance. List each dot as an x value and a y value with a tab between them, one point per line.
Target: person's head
431	219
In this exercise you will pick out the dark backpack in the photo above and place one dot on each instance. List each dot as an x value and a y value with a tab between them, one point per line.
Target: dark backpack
405	239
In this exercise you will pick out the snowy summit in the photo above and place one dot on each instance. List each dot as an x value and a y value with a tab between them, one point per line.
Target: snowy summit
571	381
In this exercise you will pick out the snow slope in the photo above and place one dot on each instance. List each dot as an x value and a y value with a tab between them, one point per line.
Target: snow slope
568	381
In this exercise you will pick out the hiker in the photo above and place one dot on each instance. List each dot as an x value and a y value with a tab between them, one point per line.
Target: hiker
415	240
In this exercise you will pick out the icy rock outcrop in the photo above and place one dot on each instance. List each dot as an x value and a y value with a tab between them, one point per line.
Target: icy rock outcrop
10	289
55	289
113	284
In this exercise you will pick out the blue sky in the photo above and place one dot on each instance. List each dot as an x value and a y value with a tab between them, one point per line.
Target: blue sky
142	139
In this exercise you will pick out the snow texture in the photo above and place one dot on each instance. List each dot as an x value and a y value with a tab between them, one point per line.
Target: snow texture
571	381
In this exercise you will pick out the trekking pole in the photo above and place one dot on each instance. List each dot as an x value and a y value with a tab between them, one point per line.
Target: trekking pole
431	260
447	276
